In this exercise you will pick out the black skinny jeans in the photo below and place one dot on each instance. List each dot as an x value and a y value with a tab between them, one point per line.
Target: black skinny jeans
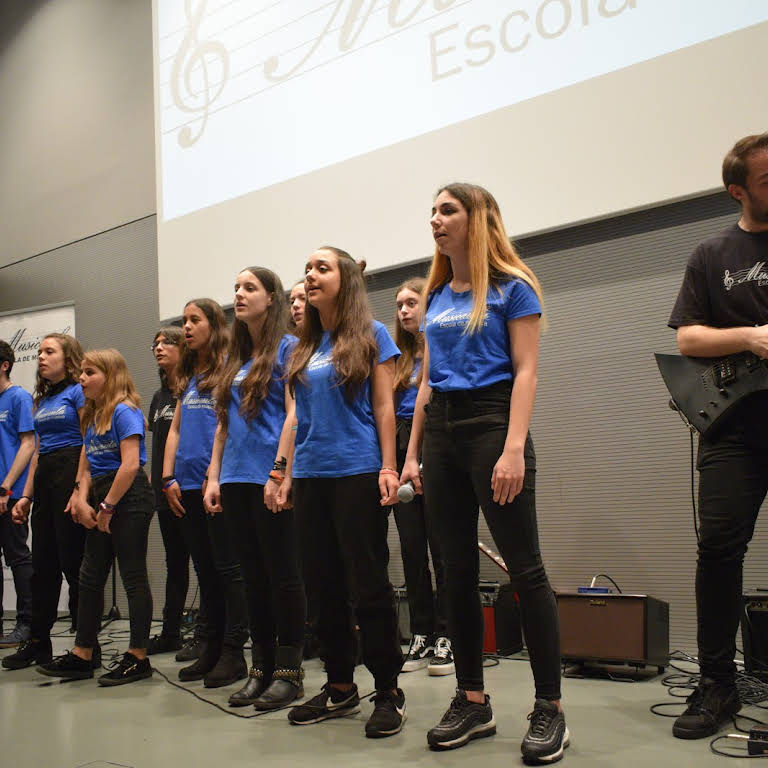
427	608
58	542
13	543
268	551
212	543
733	481
342	530
128	541
464	437
177	566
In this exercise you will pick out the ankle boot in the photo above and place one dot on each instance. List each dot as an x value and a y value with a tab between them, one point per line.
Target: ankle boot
230	668
210	651
254	686
286	685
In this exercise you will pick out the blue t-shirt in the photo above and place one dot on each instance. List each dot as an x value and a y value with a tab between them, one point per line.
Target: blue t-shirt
56	421
251	446
198	428
405	400
459	360
336	438
15	419
103	451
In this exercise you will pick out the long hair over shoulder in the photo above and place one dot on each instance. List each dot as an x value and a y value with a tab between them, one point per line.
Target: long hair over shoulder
118	388
254	388
73	357
492	256
411	345
354	345
217	346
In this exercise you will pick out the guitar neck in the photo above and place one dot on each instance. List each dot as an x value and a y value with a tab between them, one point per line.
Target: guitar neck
493	556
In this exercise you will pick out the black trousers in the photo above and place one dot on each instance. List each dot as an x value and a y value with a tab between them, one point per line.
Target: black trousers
128	541
343	535
268	551
427	608
177	567
733	480
463	439
58	542
13	542
212	543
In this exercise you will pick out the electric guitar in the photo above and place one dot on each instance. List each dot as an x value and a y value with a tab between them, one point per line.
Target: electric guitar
704	389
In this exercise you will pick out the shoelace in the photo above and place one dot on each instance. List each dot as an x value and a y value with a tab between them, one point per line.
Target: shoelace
443	649
418	642
119	665
540	721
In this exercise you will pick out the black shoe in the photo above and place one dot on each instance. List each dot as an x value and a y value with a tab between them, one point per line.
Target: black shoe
96	657
388	714
463	721
129	669
68	666
286	686
419	653
547	735
441	662
205	662
330	702
230	668
190	650
163	644
29	653
709	707
254	686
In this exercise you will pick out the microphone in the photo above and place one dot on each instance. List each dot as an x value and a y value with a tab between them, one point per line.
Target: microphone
405	493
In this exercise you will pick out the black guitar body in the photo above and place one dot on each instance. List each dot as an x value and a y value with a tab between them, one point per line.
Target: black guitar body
704	389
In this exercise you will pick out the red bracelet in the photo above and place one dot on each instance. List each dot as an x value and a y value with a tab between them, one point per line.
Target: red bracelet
276	477
107	509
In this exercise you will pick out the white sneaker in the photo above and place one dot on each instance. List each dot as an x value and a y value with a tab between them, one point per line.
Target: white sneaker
419	654
442	661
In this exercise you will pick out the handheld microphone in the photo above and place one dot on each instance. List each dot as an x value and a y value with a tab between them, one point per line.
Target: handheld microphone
405	493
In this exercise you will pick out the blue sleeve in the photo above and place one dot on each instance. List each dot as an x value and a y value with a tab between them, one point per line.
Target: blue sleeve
521	300
287	344
387	348
78	398
127	422
26	417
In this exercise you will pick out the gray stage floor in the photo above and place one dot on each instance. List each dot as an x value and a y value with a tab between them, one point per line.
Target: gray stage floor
151	724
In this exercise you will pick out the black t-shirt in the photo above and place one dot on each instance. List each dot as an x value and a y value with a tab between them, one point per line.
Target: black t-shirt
161	413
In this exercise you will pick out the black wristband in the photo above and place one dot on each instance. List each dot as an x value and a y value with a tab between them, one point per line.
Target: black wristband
166	479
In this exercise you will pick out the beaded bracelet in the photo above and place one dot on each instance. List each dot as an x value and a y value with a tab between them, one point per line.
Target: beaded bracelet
388	471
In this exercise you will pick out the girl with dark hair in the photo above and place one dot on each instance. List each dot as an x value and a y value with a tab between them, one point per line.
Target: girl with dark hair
297	301
430	646
256	413
482	325
211	539
57	541
342	473
111	477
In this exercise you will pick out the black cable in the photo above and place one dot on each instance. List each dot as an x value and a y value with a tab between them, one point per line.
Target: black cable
606	576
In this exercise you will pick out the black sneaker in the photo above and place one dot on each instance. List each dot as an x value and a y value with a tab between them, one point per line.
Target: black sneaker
68	666
547	735
163	644
29	652
330	702
419	653
463	721
388	714
709	706
129	669
441	662
190	651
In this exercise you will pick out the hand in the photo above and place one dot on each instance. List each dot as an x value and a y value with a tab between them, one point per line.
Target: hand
271	489
103	519
284	496
212	497
388	484
173	496
507	476
20	511
411	472
758	342
3	504
83	513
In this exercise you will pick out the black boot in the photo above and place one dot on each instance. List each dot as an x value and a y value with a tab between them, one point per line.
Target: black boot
230	668
286	685
210	650
254	686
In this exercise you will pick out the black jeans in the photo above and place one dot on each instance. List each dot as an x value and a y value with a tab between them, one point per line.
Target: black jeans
463	439
427	609
268	552
342	530
13	542
58	542
733	480
177	567
212	543
128	542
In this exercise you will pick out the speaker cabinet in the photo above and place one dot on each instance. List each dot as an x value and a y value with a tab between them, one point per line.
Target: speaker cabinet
754	634
615	629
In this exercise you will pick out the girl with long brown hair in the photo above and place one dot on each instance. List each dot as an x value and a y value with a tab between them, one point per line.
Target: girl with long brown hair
482	322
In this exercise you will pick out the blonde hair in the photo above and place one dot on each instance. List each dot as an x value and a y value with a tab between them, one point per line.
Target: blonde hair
118	388
411	345
492	256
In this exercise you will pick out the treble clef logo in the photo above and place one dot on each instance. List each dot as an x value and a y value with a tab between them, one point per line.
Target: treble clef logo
728	281
191	83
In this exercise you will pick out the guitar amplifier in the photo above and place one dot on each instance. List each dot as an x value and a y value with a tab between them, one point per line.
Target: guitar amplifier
754	634
614	629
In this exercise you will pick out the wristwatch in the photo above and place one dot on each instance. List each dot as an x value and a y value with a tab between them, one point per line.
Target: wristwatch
4	491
